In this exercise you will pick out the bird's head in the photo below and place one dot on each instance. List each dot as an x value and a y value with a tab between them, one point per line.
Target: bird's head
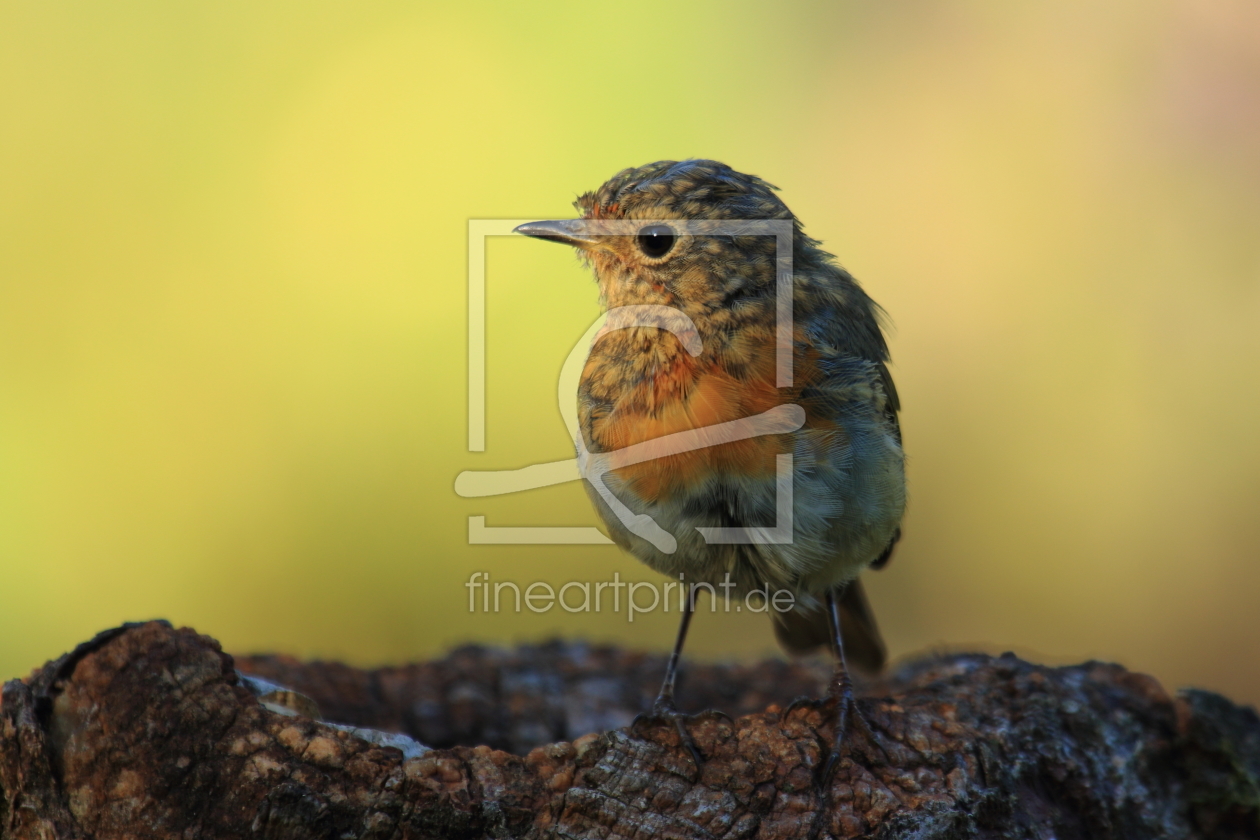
632	233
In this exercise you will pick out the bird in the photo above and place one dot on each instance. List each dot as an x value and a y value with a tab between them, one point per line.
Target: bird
643	233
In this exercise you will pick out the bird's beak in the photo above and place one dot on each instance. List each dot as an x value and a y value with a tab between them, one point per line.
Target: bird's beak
569	231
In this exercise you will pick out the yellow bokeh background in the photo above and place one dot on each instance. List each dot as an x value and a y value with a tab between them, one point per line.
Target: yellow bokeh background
233	327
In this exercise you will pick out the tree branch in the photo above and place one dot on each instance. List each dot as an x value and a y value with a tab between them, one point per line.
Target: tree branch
148	731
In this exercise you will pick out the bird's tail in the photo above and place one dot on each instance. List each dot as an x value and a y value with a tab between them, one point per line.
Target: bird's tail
804	632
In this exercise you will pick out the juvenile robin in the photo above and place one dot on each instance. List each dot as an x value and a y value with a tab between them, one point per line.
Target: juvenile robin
644	383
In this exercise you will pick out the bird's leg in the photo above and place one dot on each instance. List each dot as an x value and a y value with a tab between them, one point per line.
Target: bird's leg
840	692
665	699
664	709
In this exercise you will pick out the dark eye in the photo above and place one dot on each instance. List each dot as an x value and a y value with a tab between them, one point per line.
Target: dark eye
656	240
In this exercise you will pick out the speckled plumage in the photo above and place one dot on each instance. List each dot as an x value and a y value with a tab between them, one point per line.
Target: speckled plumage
639	384
651	382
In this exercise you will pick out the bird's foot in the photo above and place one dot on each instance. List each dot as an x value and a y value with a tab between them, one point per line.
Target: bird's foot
664	712
847	714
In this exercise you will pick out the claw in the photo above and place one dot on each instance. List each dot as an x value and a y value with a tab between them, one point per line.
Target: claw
847	713
799	703
715	713
640	718
843	704
662	714
689	742
829	770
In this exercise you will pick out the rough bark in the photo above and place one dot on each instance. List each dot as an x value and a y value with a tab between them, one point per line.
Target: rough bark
148	731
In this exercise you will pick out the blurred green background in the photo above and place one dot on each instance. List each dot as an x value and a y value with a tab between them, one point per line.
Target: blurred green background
232	307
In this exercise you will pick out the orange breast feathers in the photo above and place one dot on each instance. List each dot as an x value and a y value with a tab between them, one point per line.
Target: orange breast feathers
688	394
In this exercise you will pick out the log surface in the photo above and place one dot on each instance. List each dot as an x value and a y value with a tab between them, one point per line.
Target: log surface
148	731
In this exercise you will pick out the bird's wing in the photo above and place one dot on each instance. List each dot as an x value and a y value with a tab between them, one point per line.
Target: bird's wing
892	407
803	631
